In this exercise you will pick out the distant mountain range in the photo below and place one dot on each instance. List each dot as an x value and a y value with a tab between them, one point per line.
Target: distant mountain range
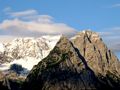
58	63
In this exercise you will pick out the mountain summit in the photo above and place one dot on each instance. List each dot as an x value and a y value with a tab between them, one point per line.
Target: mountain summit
62	69
85	62
82	62
98	57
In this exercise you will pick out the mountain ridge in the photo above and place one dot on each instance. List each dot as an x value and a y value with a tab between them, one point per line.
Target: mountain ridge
108	79
93	49
64	64
82	62
23	50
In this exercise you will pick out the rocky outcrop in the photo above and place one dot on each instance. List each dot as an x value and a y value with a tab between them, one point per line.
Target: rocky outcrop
63	69
98	57
11	81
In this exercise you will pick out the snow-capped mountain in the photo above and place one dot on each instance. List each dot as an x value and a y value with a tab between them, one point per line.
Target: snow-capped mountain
26	51
59	63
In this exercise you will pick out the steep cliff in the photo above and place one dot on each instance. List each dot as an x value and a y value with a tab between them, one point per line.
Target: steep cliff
63	69
98	57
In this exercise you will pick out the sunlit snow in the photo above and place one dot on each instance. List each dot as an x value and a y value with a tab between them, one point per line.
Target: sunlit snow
29	61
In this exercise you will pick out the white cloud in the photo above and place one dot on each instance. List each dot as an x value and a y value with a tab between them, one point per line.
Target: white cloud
115	5
39	18
7	10
28	15
24	13
111	36
30	23
19	27
105	33
30	12
5	38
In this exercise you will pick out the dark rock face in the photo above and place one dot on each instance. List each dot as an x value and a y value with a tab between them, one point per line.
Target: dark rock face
11	81
64	69
99	58
2	86
61	70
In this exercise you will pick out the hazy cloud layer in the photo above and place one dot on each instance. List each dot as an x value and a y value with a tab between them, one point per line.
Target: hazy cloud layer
30	23
5	38
111	36
11	13
23	13
115	5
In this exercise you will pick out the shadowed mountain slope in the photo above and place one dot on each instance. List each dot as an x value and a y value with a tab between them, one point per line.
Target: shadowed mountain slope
83	62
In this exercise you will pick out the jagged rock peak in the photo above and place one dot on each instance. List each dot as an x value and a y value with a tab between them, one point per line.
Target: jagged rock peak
89	34
85	62
99	58
62	69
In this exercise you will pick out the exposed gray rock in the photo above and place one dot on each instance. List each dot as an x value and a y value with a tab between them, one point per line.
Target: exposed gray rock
11	81
63	69
98	57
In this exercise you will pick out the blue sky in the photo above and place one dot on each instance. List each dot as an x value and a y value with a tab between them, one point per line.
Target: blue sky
102	16
80	14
